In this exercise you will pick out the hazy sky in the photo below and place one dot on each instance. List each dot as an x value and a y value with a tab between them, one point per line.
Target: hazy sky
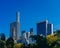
31	11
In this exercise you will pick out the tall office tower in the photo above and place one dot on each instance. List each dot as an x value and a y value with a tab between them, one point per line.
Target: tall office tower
31	32
50	29
15	28
44	28
18	24
2	37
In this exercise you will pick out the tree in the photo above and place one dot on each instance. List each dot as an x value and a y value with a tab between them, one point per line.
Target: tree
41	41
17	45
2	44
57	33
23	46
51	39
10	43
31	46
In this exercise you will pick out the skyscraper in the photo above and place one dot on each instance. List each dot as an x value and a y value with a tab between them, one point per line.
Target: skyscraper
2	37
31	32
24	34
50	29
18	24
44	28
15	28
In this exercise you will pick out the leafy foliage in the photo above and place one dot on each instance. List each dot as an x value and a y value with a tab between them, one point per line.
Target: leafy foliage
51	41
41	41
2	44
17	45
23	46
10	43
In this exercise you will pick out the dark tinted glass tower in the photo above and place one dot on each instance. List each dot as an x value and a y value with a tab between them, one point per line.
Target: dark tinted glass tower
31	32
50	29
44	28
23	32
2	37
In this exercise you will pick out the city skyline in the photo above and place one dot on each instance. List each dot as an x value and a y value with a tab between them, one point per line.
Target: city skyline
32	11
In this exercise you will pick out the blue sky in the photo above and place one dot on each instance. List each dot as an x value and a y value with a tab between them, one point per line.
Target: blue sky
32	11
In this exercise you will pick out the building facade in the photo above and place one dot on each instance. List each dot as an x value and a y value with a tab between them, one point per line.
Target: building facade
2	37
15	28
50	29
31	32
27	38
44	28
24	34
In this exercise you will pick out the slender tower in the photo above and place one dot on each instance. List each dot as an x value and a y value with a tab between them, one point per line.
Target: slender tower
18	25
17	16
15	28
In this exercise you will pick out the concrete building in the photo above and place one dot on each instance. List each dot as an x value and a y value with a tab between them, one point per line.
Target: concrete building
15	28
24	37
44	28
27	38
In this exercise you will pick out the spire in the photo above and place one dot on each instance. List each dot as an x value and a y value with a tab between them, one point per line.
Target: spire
18	16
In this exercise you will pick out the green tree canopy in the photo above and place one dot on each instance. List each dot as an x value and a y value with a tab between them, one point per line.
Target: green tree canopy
10	43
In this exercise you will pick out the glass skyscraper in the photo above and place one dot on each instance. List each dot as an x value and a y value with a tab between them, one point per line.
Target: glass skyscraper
31	32
2	37
44	28
15	28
